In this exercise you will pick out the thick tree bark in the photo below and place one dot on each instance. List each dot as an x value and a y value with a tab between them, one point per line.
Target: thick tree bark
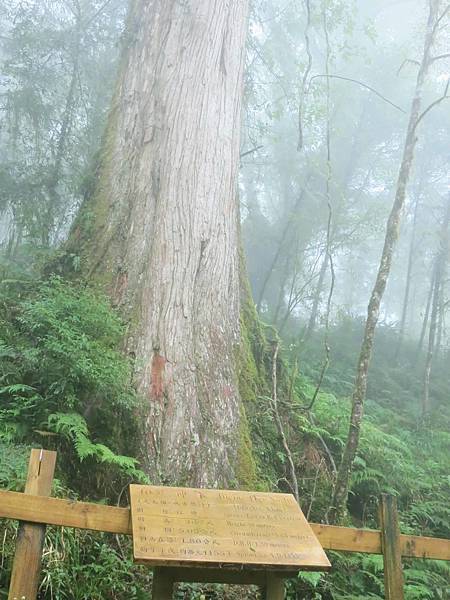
161	229
392	232
436	305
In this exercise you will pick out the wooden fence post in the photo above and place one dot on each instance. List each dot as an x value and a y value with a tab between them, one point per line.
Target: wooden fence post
390	546
30	537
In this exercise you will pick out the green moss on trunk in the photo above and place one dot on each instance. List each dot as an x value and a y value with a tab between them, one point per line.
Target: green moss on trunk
253	383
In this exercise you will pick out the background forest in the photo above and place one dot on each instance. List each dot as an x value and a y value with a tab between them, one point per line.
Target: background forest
328	88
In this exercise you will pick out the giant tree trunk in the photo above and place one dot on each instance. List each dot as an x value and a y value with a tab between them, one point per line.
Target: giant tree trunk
160	231
392	232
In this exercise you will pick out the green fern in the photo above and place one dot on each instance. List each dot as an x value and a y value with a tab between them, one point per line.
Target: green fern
74	428
62	372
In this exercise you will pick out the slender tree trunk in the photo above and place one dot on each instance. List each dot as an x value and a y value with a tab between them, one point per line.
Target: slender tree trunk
317	296
392	232
412	247
431	347
279	424
282	287
441	319
441	261
48	222
327	259
160	232
425	317
281	245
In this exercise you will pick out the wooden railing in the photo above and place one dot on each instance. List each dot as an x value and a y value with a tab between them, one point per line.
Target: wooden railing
34	506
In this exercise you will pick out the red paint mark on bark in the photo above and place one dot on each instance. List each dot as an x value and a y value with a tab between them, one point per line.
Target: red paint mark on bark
228	391
158	365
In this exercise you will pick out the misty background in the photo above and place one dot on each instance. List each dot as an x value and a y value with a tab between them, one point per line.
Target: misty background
328	87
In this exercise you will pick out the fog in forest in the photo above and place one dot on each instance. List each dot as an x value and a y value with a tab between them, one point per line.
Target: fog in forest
284	191
342	180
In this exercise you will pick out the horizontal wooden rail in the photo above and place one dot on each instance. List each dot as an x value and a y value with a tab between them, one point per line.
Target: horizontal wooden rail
110	519
65	513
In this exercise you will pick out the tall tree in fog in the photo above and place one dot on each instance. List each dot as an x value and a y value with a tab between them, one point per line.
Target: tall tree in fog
412	249
392	233
437	302
160	231
58	61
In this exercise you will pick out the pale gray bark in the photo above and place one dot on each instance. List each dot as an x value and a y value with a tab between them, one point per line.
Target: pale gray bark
161	230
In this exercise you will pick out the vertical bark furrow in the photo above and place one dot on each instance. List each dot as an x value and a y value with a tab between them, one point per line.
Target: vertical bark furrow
165	215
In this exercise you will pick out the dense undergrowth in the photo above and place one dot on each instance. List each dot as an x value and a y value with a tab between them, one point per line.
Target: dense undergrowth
64	385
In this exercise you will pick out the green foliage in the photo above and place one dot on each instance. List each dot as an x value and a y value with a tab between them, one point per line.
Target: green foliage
397	455
81	565
58	67
252	382
64	383
13	466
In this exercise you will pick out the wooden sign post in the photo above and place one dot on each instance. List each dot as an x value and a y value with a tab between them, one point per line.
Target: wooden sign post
227	536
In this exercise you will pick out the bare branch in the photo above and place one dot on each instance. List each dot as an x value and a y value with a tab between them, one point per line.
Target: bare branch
278	78
439	57
97	13
439	19
276	15
247	152
325	447
432	105
406	62
364	85
313	493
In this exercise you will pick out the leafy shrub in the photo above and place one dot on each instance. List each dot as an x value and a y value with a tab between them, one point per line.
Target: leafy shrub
64	383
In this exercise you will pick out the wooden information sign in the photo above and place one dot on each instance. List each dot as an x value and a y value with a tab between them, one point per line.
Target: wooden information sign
216	528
